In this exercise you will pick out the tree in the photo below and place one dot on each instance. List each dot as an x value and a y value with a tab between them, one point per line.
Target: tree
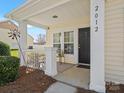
41	40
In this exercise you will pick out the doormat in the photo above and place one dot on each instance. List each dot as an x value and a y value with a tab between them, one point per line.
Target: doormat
84	66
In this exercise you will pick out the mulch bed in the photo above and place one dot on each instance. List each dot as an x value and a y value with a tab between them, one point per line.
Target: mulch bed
114	88
110	88
33	82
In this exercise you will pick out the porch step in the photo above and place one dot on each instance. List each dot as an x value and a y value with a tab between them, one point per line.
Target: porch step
84	66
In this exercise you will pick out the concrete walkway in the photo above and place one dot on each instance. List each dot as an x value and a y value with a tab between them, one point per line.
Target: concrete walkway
61	88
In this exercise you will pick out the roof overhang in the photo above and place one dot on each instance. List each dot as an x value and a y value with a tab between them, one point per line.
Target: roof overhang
7	24
40	12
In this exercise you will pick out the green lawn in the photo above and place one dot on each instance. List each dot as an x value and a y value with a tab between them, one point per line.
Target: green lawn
15	52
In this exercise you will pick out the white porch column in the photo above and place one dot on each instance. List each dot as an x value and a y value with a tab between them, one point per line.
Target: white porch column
51	64
23	40
97	77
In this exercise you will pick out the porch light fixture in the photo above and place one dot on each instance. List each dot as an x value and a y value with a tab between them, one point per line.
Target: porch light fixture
55	16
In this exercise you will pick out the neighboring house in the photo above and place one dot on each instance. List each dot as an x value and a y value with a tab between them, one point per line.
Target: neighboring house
4	37
80	29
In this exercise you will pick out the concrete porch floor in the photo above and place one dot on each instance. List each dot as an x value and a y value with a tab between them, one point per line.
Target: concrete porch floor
75	76
61	67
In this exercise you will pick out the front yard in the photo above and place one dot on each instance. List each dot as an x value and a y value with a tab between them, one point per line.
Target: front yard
14	52
35	81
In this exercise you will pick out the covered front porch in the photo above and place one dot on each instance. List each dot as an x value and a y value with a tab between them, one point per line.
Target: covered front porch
67	17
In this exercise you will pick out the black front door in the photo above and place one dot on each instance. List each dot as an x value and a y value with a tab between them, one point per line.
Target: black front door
84	45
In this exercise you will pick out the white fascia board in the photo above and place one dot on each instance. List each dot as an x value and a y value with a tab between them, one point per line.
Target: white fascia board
28	4
9	15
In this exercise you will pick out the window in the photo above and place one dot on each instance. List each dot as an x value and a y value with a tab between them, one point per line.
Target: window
69	42
57	41
30	47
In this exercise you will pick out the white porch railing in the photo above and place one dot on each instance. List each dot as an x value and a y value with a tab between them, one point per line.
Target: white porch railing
46	62
34	59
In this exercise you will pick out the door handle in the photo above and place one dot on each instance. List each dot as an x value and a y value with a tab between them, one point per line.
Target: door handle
79	46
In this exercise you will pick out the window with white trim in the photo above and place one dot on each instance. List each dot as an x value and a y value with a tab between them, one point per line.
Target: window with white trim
69	42
57	40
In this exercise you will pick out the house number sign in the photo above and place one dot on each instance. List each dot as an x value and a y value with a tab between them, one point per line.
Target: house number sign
96	18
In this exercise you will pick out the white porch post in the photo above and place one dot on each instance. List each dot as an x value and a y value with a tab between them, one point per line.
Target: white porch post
51	64
23	40
97	77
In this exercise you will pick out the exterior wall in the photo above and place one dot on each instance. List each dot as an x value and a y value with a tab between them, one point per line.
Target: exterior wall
64	28
4	36
114	41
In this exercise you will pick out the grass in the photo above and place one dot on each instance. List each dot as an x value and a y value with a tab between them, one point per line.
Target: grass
15	52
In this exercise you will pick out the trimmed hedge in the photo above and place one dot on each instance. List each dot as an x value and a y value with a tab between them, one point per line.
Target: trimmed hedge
4	49
9	69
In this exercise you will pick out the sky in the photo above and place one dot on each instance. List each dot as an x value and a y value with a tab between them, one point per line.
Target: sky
7	6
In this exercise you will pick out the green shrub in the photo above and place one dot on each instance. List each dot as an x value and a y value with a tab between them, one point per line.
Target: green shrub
4	49
9	69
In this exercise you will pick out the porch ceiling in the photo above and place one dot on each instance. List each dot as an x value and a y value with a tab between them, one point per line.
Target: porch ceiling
42	11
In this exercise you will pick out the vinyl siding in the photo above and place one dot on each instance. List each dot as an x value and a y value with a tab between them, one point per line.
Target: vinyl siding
114	41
